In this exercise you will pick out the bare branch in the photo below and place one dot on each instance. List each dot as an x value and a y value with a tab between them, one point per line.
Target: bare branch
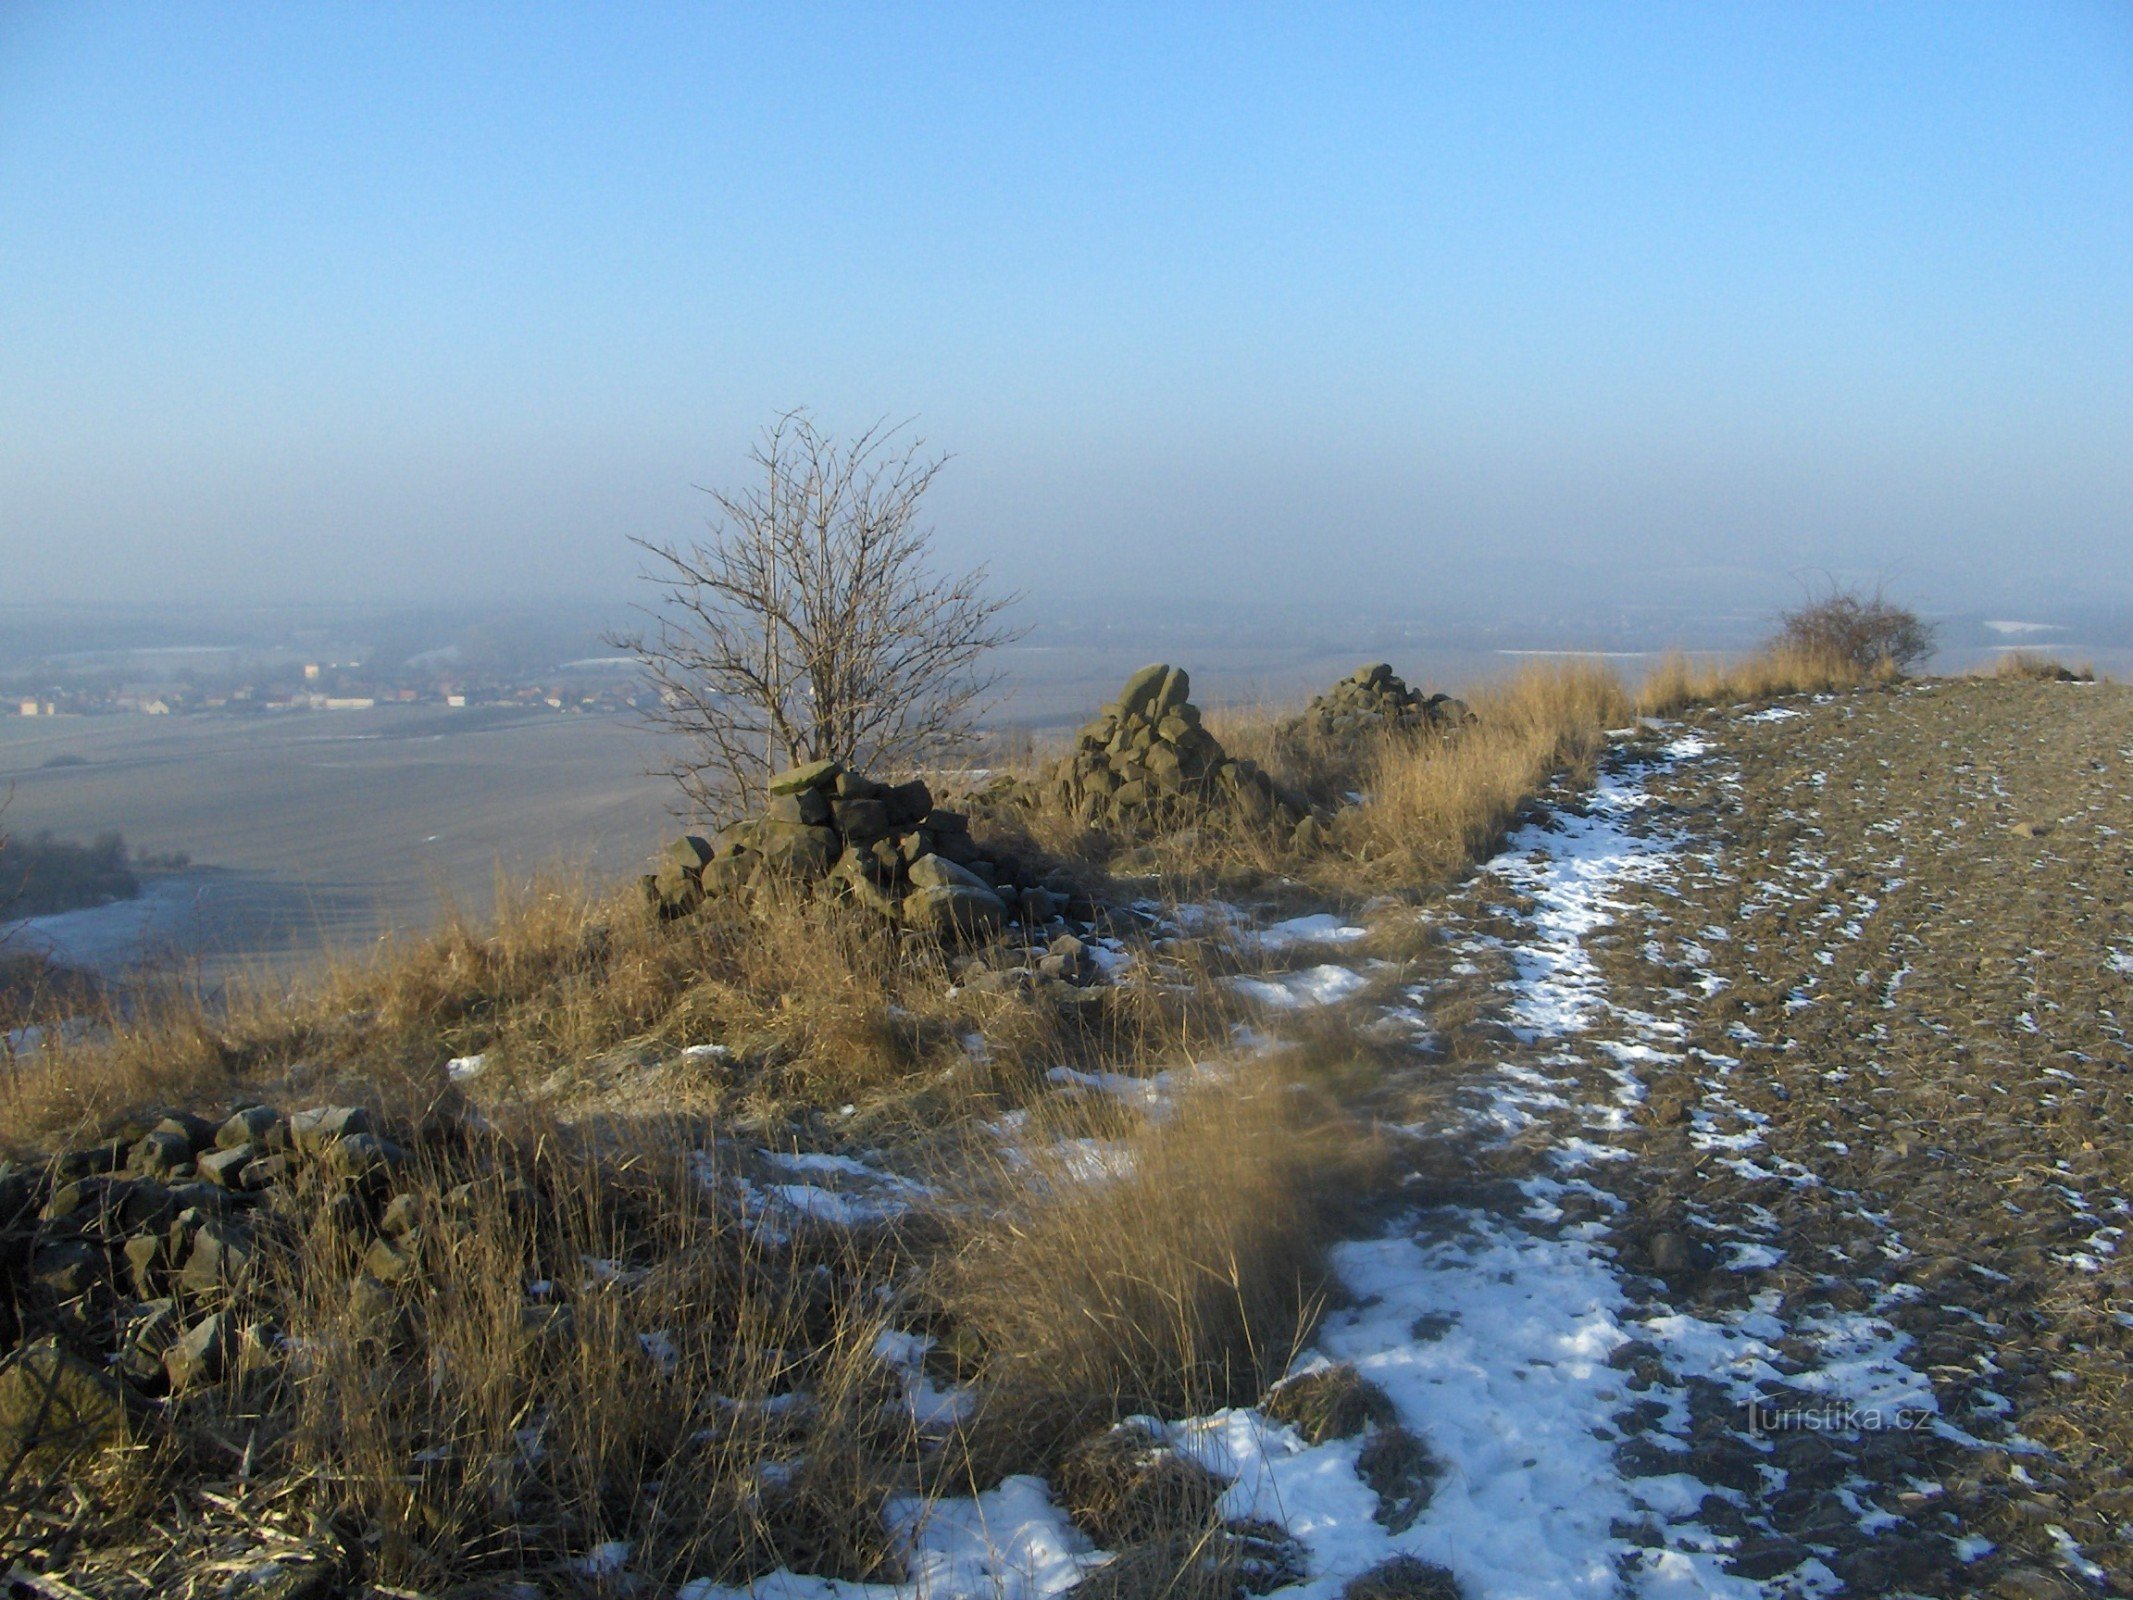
810	624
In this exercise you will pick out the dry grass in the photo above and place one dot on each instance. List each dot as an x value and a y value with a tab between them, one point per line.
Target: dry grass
639	1400
2033	666
1681	682
1436	808
591	1347
1168	1271
570	994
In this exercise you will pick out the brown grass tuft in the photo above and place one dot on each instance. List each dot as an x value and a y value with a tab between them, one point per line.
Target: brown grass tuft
1177	1270
1680	682
1435	809
1327	1403
2032	666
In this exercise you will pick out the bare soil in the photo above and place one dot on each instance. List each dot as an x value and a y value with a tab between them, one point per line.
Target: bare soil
1893	963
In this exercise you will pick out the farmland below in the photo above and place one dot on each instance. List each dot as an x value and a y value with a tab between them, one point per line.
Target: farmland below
321	830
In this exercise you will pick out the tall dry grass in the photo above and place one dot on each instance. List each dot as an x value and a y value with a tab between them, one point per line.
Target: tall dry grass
1435	808
1169	1267
2033	666
591	1349
814	1002
1681	682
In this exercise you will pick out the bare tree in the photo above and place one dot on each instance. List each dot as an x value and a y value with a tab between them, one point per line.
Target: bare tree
810	624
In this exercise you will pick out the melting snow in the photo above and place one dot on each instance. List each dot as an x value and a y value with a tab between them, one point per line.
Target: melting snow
1321	928
1313	986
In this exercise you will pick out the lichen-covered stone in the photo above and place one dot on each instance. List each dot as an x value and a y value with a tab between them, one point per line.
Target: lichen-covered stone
814	775
54	1406
954	911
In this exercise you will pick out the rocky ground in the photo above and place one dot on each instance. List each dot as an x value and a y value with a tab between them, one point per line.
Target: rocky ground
1809	1025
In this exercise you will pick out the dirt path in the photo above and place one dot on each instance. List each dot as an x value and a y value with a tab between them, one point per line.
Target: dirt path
1814	1022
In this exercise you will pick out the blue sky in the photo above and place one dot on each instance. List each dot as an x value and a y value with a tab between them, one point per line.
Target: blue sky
1344	302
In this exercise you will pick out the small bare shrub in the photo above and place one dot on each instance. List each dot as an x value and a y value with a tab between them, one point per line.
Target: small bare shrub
1865	631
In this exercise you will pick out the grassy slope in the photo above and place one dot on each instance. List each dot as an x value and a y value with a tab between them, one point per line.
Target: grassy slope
1070	1304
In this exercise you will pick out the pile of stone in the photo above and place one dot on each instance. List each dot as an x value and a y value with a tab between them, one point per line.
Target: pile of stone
126	1267
1371	700
1146	765
888	847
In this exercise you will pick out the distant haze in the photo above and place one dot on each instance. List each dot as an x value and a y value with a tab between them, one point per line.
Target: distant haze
1394	307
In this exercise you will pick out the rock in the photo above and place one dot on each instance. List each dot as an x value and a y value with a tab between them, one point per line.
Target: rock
21	1193
196	1130
390	1260
202	1354
814	775
401	1217
54	1405
103	1208
225	1168
803	854
809	808
1370	702
145	1332
363	1158
907	804
689	853
89	1161
826	830
221	1257
1147	766
954	912
721	877
160	1154
861	820
674	891
1140	690
315	1129
937	872
147	1256
247	1128
268	1171
854	879
67	1269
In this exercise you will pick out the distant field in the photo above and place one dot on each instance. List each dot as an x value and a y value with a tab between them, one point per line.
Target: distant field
327	828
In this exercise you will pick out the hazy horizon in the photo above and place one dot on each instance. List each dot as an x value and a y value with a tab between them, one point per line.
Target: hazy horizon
1470	306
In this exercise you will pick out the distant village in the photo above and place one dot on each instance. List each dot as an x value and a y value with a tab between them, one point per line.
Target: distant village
609	686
